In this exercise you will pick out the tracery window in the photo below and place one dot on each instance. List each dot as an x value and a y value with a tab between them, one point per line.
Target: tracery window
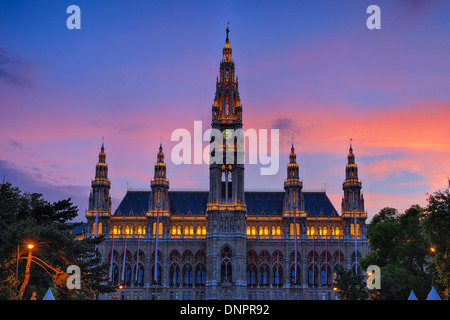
226	266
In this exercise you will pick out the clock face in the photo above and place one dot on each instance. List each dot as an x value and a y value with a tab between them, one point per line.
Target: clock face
227	134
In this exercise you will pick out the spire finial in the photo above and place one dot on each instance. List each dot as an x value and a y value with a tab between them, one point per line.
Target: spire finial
103	142
228	31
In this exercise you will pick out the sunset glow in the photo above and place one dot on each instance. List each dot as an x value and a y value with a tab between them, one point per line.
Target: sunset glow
136	71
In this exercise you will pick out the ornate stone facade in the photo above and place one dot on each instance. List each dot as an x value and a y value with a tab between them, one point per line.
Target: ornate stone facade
225	242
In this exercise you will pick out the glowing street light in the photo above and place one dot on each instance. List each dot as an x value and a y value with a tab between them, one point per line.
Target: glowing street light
30	247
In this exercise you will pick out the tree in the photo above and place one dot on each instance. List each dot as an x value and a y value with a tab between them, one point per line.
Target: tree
26	217
400	249
437	225
349	285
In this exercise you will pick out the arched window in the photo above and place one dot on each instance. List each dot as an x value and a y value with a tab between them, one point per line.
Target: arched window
160	229
251	274
128	275
187	275
264	275
313	275
336	231
200	274
174	274
226	266
293	280
277	272
140	276
158	273
115	275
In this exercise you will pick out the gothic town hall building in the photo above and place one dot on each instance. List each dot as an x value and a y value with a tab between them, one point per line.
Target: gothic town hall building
227	243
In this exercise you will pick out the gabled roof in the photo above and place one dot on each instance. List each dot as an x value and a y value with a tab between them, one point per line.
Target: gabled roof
318	204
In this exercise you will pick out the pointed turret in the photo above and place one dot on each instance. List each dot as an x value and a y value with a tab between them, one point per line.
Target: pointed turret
100	198
293	185
159	184
353	199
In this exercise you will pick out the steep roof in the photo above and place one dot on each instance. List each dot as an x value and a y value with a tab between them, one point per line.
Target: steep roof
194	202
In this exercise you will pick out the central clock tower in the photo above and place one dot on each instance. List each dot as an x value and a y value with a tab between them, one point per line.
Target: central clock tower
226	209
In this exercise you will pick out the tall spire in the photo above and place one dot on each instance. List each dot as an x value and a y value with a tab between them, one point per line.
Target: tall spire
160	155
293	185
100	198
351	156
353	198
159	184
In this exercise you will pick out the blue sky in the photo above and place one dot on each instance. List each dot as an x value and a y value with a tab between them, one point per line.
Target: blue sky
137	70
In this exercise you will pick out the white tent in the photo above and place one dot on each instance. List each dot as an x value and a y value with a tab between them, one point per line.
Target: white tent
412	296
433	295
49	295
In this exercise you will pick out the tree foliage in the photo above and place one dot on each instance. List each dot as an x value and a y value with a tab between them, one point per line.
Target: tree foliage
27	217
400	247
437	230
350	286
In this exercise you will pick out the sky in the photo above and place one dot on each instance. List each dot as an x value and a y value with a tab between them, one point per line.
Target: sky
138	70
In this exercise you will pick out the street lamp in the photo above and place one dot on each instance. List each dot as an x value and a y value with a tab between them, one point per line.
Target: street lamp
30	247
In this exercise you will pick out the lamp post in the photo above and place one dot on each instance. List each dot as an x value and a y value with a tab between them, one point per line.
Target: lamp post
30	247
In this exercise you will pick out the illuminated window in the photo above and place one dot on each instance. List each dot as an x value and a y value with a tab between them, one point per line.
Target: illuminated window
204	230
324	231
266	231
160	229
249	230
115	230
352	229
159	195
336	231
293	194
313	231
253	231
100	227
